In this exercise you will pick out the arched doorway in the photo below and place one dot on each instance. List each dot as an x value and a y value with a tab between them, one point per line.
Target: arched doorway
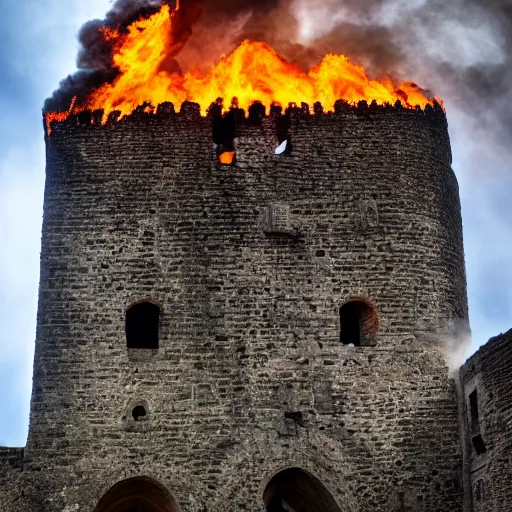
295	490
137	495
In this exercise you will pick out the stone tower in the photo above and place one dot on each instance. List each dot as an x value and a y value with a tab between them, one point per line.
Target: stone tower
266	335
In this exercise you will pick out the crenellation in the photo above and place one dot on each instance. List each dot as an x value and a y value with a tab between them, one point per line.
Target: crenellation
191	112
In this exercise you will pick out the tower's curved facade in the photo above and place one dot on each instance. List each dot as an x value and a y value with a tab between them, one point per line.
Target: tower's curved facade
303	304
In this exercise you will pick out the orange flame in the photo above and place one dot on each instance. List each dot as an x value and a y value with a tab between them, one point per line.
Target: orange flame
253	71
109	34
227	157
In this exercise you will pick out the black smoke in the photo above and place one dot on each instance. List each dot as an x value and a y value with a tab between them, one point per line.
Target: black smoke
419	43
94	59
95	62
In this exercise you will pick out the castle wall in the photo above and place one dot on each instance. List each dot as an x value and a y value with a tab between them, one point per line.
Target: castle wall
250	376
11	467
488	437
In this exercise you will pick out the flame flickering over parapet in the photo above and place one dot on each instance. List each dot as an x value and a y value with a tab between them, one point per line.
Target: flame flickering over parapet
143	54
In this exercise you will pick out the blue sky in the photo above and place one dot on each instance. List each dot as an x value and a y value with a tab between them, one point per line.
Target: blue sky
39	48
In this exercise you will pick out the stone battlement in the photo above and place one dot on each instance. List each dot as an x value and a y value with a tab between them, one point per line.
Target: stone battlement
192	111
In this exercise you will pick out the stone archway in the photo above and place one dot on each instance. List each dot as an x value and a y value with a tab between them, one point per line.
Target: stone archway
139	494
295	490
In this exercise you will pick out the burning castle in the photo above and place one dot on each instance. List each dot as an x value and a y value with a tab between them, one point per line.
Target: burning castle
222	327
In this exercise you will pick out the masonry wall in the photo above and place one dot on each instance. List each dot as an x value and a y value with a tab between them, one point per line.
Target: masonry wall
11	467
488	466
249	330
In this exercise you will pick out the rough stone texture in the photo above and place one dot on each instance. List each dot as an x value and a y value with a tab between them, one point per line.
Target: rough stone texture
488	476
11	467
11	460
250	377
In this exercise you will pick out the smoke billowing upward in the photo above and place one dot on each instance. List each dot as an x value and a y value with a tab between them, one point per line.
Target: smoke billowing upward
94	60
461	49
95	57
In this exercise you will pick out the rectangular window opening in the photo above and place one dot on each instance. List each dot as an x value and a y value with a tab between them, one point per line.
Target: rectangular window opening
473	412
142	321
479	445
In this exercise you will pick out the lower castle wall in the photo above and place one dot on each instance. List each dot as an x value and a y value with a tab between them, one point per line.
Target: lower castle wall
11	467
488	470
366	441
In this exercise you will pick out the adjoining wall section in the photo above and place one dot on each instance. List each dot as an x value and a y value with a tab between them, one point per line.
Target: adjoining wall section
11	467
249	265
487	430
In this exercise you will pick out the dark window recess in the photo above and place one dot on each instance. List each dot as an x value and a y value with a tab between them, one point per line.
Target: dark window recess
142	326
358	323
473	411
292	421
224	132
296	417
350	327
283	124
479	445
139	413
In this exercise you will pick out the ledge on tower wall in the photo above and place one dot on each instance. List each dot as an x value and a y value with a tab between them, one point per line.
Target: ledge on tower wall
486	380
11	460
